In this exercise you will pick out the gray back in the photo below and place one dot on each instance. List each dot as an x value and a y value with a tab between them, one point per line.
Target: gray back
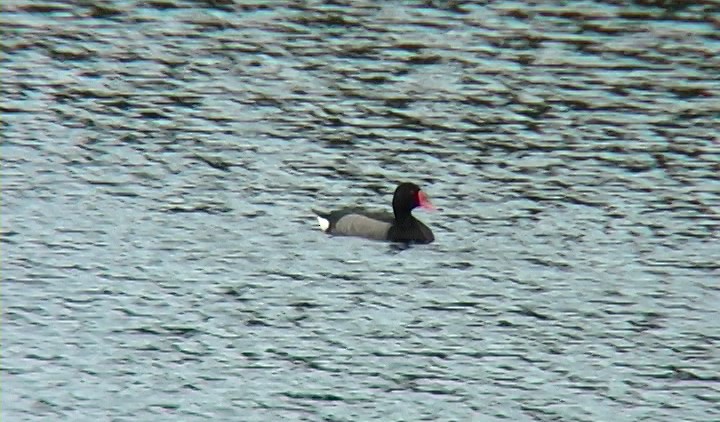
360	225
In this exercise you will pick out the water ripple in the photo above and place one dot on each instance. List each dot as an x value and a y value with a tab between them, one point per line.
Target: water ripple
161	160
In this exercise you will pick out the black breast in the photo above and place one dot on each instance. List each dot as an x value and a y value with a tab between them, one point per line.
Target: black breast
411	230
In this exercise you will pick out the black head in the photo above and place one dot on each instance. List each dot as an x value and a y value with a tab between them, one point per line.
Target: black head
407	197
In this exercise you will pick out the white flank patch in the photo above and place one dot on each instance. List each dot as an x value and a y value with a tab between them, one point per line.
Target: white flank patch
324	223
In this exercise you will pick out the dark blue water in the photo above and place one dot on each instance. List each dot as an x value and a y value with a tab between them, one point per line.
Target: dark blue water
160	260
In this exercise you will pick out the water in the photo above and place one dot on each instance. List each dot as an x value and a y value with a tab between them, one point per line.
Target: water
160	160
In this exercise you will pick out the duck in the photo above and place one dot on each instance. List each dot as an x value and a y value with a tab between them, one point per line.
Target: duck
400	226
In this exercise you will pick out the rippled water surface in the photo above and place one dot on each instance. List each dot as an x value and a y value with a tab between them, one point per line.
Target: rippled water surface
160	260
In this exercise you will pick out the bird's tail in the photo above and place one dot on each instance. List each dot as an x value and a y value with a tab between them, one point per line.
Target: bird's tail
323	220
